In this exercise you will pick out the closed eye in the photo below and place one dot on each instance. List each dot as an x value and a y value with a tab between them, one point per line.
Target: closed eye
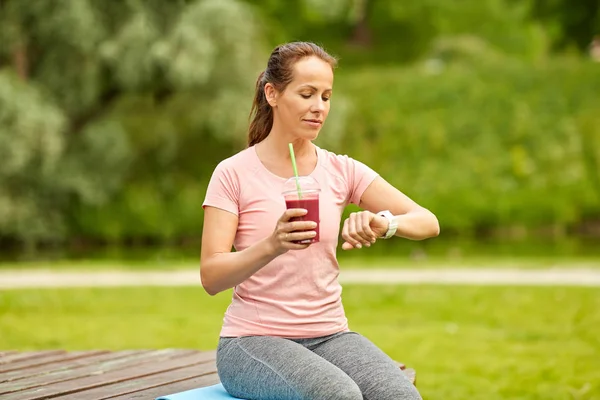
308	96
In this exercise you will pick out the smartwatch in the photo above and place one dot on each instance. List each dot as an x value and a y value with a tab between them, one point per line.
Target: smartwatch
393	225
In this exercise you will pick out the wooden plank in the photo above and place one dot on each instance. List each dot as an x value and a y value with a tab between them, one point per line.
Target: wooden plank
44	369
101	367
5	353
47	359
30	354
98	368
108	378
144	383
171	388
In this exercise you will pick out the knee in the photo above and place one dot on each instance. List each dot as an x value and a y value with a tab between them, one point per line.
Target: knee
400	393
351	392
346	390
411	394
407	391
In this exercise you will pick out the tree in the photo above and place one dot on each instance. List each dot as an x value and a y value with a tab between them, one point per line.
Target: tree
73	72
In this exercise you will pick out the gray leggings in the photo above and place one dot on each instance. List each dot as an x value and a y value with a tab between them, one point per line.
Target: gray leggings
341	366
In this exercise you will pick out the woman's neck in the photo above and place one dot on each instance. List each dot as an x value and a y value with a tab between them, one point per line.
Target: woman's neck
276	148
274	153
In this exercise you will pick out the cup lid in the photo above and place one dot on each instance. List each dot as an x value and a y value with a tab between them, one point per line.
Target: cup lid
307	184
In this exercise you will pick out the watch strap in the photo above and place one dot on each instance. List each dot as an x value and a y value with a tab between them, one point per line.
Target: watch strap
393	225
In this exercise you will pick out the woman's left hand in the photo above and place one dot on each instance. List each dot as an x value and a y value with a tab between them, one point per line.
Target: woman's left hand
363	229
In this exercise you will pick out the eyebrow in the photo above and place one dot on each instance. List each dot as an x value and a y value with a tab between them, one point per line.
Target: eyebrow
314	88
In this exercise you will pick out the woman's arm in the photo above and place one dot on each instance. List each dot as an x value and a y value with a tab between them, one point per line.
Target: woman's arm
414	221
221	269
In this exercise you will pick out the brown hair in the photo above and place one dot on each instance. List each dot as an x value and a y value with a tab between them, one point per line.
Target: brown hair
279	74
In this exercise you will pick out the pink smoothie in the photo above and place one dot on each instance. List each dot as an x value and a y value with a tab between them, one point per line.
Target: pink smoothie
310	205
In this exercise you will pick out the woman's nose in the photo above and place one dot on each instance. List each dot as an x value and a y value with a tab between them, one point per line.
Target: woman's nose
318	105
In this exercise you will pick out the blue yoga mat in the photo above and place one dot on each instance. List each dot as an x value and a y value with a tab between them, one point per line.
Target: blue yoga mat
214	392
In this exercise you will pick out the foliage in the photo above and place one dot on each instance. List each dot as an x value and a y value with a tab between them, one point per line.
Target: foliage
388	31
484	143
569	24
114	114
96	95
32	142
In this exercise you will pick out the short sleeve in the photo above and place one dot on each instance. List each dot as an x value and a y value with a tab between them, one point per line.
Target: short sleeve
360	176
223	189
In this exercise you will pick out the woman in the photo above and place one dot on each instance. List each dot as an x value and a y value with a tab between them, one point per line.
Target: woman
285	335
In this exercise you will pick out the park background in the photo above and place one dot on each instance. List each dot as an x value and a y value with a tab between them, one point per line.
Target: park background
113	116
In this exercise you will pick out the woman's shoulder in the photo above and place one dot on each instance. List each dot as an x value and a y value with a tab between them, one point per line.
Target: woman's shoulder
236	162
334	160
343	165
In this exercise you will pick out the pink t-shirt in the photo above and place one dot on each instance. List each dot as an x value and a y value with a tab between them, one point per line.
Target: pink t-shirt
297	294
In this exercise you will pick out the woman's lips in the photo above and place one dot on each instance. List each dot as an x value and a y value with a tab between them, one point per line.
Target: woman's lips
313	123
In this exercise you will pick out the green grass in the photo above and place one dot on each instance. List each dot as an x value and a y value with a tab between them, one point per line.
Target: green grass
465	342
569	252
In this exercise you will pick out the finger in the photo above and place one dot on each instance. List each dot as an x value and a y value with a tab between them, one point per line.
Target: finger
296	241
366	223
300	236
292	213
356	231
298	226
347	246
350	230
363	235
346	234
295	246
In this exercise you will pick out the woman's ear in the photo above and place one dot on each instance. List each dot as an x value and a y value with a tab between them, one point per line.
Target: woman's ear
271	94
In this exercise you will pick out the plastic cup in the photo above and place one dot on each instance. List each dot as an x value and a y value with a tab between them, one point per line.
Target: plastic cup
307	198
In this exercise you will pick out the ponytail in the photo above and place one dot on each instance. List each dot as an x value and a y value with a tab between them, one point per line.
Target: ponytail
261	114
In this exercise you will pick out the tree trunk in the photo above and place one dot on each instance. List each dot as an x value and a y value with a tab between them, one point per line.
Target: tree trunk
361	36
20	61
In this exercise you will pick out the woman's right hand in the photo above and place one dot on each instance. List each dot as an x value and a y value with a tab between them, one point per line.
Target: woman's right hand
287	232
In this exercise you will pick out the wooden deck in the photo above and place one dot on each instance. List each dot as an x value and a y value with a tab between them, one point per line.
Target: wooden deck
101	374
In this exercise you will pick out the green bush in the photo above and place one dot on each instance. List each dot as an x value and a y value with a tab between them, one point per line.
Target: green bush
487	143
483	144
113	116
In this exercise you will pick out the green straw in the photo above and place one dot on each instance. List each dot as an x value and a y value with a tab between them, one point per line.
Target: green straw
295	170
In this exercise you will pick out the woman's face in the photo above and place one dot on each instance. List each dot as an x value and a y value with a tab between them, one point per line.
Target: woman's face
302	108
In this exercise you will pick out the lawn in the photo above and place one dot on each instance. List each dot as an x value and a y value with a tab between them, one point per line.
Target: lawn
465	342
438	253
